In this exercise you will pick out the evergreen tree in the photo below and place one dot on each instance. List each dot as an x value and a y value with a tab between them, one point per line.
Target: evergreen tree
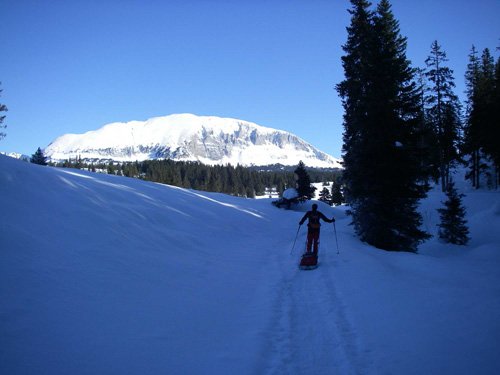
488	109
381	119
443	110
110	168
304	187
78	162
38	157
426	150
453	227
325	196
337	195
3	108
482	127
353	91
472	142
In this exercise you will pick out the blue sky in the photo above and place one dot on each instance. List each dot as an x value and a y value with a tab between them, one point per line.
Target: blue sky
70	66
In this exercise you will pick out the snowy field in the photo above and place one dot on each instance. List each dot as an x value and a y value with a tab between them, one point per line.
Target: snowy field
102	274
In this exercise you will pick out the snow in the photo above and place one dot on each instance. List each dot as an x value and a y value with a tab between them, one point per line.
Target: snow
102	274
290	193
16	155
208	139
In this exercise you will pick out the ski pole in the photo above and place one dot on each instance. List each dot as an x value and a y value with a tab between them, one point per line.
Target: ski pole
336	240
291	251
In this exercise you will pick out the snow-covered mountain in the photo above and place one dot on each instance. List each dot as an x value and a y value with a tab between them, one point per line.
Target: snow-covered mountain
208	139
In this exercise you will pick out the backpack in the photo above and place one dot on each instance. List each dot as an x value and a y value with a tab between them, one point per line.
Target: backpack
314	220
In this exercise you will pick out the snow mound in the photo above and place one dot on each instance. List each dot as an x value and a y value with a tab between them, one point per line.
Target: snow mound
290	193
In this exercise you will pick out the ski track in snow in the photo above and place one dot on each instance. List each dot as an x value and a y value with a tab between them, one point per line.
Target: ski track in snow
325	343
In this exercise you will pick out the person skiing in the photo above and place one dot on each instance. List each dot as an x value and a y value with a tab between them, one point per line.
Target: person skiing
313	227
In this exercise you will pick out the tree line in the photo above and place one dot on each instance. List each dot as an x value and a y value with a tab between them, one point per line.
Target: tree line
482	122
404	128
234	180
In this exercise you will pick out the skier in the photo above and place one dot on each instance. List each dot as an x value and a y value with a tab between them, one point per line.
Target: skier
313	227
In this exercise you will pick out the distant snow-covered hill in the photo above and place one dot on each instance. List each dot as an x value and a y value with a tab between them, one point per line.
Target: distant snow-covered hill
16	155
208	139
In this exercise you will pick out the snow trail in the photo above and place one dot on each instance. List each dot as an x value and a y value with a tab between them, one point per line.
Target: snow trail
310	329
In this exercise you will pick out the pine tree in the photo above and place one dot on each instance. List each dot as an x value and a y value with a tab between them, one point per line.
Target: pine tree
472	142
453	227
488	108
110	169
304	187
337	195
381	119
38	157
426	150
443	110
3	108
325	196
482	126
353	91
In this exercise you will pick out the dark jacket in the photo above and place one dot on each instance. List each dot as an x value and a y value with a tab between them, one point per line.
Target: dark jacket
314	218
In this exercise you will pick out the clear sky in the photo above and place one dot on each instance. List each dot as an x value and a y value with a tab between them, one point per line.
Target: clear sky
70	66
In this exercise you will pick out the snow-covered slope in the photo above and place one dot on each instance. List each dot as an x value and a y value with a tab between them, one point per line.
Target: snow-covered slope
102	274
210	140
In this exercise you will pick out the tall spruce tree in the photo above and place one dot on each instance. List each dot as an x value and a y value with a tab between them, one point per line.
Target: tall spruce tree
443	110
353	91
381	119
38	157
482	125
325	196
488	107
337	195
453	226
472	143
304	187
427	152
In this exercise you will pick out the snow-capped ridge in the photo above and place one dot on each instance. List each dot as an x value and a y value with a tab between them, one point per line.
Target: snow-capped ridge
16	155
208	139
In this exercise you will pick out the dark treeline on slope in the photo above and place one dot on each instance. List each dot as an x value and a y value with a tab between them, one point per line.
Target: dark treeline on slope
228	179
